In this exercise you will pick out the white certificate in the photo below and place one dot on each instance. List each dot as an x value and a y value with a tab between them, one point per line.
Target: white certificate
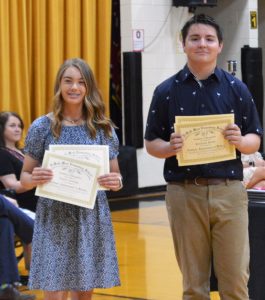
98	154
74	181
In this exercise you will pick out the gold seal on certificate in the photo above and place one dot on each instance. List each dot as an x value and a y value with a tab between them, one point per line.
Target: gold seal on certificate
203	139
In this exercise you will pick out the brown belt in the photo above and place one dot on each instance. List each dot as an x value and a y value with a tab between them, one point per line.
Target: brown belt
203	181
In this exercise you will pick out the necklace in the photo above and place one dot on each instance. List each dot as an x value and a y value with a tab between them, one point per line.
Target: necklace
72	121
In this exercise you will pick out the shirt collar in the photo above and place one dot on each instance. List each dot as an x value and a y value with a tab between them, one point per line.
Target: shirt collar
185	73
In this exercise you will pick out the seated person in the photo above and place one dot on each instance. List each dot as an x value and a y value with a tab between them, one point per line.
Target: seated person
13	221
254	171
11	160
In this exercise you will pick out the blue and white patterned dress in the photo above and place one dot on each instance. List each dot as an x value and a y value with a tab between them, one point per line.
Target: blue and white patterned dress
73	247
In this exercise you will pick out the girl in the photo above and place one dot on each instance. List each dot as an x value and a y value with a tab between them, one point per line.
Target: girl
73	247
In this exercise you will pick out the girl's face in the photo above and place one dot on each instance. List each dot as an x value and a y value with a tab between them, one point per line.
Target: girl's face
13	130
73	87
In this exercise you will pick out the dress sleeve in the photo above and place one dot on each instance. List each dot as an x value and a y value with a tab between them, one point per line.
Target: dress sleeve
112	142
36	137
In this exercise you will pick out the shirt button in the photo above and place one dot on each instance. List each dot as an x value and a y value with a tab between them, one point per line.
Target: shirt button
202	105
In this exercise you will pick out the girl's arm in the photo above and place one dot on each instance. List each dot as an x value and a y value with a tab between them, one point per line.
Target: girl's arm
32	174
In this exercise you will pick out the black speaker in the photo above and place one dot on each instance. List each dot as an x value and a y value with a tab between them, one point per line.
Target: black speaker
194	3
128	167
251	66
133	110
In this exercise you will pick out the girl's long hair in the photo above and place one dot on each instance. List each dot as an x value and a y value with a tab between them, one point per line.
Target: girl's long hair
93	107
4	116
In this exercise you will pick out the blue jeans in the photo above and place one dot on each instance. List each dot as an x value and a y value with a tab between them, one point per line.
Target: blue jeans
12	222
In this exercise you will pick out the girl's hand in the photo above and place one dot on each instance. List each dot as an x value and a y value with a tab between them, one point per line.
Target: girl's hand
41	175
112	181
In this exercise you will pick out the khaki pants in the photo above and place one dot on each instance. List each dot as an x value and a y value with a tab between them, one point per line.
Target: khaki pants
210	221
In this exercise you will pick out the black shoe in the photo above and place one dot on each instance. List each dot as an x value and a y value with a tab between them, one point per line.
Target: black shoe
9	292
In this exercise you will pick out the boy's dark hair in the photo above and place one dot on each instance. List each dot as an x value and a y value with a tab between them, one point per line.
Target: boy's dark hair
201	19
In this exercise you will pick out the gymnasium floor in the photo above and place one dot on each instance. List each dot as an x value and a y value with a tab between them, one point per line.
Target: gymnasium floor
148	268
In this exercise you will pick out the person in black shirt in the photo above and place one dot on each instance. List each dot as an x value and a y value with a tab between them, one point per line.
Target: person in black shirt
207	203
11	160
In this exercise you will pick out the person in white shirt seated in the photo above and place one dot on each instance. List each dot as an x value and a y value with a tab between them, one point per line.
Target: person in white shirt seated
254	171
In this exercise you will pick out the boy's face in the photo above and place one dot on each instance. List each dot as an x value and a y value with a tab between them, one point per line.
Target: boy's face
202	44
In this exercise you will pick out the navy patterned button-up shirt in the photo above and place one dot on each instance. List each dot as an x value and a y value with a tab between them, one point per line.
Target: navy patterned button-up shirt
183	95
